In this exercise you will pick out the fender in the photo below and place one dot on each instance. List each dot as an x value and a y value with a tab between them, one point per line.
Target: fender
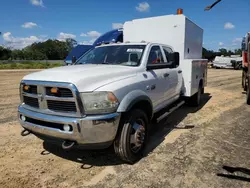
131	99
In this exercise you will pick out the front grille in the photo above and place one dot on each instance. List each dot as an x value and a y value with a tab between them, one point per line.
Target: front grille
32	89
31	101
39	96
44	123
63	106
62	92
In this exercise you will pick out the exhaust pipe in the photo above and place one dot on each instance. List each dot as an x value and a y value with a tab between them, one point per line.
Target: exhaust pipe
25	132
67	145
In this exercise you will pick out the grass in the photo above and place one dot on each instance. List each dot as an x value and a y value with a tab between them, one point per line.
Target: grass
29	65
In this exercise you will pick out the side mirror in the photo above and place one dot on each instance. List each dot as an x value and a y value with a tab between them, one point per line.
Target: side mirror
175	59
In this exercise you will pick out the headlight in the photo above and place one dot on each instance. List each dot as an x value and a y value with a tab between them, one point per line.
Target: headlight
99	102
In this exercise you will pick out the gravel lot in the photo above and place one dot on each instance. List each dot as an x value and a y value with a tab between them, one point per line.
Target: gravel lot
192	148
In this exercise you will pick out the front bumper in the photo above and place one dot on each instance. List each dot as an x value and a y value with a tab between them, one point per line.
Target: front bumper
89	130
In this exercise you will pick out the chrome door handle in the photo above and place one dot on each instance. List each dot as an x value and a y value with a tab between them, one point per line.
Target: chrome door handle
165	75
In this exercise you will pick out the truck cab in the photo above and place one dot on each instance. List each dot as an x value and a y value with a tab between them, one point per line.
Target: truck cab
114	91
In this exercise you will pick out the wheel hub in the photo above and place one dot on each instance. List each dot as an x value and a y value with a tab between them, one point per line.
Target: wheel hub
137	137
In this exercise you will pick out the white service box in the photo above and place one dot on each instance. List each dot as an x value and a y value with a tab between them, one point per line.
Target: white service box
174	30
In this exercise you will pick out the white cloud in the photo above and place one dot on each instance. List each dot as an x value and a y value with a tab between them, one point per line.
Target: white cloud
88	42
237	40
117	25
37	3
43	36
19	42
143	7
83	35
221	43
63	36
229	25
29	25
92	34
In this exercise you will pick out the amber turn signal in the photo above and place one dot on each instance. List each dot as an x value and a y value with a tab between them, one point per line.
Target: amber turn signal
112	97
54	90
26	88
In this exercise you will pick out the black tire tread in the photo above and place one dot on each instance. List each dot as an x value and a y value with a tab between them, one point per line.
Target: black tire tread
248	93
192	101
120	146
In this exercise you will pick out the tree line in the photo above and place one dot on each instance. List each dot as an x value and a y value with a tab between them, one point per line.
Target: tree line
58	50
210	54
48	50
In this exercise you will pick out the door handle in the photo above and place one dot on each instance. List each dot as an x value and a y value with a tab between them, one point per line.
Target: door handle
180	71
165	75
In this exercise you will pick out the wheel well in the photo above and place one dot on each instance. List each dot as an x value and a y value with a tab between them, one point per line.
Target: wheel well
145	106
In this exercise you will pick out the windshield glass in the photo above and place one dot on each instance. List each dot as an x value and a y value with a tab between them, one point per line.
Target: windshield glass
129	55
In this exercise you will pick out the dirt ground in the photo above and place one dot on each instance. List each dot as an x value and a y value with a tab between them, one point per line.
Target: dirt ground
194	147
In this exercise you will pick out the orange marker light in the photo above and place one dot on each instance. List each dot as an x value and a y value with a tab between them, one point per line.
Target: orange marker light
26	88
112	97
179	11
54	90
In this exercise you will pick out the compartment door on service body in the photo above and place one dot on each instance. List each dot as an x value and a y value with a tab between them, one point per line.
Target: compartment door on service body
155	81
175	76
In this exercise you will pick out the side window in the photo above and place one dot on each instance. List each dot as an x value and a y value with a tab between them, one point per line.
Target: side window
155	55
167	51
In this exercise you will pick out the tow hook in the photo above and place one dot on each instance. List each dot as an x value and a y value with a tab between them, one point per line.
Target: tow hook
67	145
25	132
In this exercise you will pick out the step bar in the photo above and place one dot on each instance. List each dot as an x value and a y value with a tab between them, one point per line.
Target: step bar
167	113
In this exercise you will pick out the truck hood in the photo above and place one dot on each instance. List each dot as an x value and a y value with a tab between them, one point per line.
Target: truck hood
84	77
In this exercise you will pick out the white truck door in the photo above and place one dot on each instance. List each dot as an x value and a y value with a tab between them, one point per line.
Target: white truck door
175	76
156	84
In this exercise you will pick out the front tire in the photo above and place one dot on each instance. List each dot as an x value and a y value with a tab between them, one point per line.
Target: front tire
132	136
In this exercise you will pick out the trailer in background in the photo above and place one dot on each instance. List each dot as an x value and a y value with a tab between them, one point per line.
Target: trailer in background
228	62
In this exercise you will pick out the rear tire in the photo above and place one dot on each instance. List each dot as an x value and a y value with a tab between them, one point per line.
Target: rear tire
244	81
196	98
132	136
248	92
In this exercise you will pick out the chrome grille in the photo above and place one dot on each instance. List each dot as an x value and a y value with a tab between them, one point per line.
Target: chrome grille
63	106
39	98
31	101
62	92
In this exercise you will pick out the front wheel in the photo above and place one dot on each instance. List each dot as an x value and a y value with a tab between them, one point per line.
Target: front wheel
132	136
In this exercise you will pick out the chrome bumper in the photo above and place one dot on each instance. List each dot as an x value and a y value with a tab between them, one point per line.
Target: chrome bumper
87	130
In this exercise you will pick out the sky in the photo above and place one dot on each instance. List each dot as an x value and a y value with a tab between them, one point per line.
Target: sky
23	22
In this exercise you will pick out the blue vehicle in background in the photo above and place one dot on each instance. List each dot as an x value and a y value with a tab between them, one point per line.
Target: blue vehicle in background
77	52
115	35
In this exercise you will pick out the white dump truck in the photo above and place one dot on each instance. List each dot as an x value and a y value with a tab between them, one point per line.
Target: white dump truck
114	91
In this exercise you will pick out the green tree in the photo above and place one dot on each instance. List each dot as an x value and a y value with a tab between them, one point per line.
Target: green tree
223	51
5	53
238	51
71	43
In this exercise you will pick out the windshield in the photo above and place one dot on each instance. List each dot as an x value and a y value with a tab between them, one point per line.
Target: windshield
129	55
